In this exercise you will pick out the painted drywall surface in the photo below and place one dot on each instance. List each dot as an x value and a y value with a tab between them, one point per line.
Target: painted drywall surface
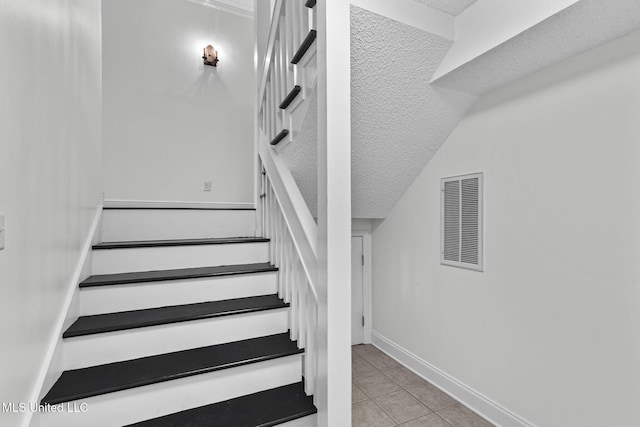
550	329
492	22
263	23
536	37
448	6
50	160
170	122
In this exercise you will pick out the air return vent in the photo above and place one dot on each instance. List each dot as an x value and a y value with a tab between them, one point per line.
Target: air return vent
461	222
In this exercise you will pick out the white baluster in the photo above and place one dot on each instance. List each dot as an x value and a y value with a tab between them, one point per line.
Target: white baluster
265	211
269	109
294	298
276	229
285	259
281	224
288	255
285	262
272	213
277	84
272	103
290	48
303	316
302	30
263	199
310	348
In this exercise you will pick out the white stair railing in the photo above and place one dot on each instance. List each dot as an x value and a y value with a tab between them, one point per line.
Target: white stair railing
293	234
287	81
289	73
313	259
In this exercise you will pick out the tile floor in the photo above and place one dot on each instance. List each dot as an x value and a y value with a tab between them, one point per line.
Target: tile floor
386	394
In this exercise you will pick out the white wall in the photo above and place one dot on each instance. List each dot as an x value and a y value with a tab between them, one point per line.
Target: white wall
551	329
262	16
50	161
170	123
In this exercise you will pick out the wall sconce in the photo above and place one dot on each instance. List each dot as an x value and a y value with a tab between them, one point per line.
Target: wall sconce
210	56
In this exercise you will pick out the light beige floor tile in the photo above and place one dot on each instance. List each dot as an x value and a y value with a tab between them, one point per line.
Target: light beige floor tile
461	416
430	395
401	406
368	414
357	395
403	376
375	384
361	349
380	360
360	367
431	420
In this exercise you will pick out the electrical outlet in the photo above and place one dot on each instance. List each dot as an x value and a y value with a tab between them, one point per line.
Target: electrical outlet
1	231
207	186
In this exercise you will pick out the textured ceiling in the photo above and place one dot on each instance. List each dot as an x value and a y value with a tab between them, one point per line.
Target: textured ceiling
576	29
399	120
451	7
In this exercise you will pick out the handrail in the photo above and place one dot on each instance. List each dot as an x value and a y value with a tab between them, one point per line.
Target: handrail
313	260
284	216
273	31
297	215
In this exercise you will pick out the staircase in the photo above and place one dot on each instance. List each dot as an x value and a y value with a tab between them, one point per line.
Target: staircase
181	330
186	321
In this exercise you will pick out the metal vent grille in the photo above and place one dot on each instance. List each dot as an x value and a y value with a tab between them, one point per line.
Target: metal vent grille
451	250
461	227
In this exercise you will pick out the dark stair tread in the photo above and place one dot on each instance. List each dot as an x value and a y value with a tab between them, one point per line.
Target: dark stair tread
176	274
99	323
96	380
177	242
290	97
264	409
279	137
306	44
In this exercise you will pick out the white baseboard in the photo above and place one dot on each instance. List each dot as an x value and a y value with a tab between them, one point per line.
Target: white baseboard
168	204
55	345
466	395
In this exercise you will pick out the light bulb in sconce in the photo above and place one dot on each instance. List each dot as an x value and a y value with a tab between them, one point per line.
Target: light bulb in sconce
210	56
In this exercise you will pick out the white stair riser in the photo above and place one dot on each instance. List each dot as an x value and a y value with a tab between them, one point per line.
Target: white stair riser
310	421
136	296
97	349
158	224
108	261
142	403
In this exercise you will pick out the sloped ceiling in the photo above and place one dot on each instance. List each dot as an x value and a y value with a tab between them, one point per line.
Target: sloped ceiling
451	7
399	120
576	29
401	116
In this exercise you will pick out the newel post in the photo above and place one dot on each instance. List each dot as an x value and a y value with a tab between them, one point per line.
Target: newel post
334	213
